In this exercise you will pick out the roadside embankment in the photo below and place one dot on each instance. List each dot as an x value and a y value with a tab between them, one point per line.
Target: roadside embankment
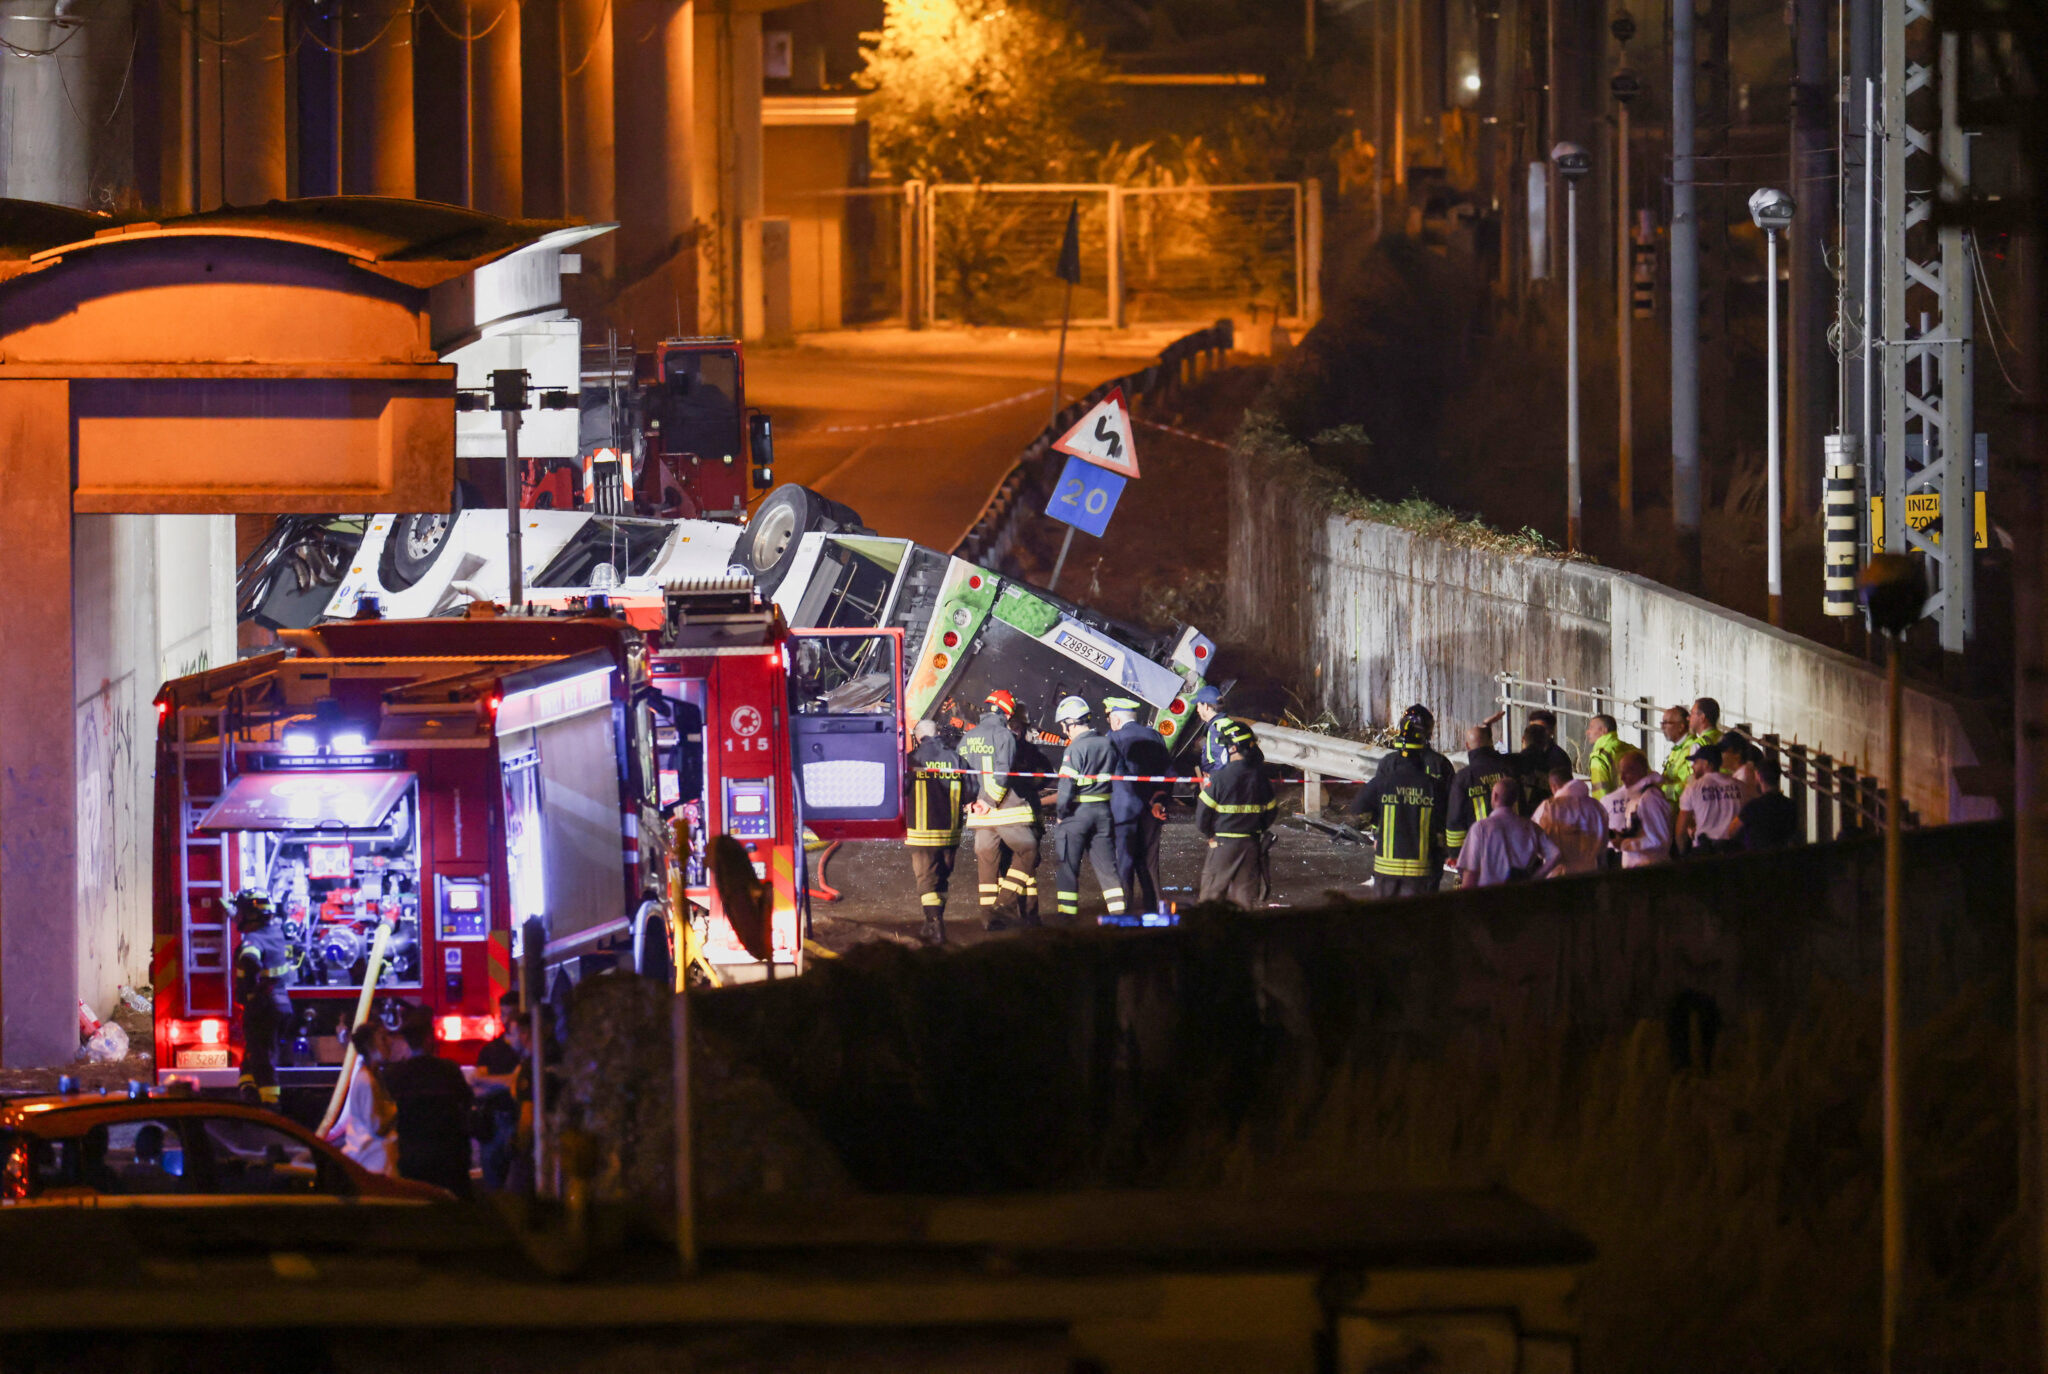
1367	615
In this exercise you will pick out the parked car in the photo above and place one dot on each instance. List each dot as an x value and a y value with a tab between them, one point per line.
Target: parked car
85	1150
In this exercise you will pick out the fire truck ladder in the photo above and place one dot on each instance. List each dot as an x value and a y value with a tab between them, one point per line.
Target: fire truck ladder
204	942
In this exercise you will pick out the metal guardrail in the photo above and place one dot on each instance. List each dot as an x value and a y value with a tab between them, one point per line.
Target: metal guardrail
1317	756
1024	488
1836	798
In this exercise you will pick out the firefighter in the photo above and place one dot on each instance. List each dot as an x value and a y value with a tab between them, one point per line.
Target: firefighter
1086	828
263	974
1216	739
934	832
1405	806
1138	808
1472	787
1003	815
1234	814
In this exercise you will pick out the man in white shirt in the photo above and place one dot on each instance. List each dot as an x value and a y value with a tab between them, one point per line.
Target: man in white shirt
367	1128
1504	846
1644	837
1575	822
1710	805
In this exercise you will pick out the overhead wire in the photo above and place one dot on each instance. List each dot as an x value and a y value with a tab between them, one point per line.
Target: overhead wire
1991	309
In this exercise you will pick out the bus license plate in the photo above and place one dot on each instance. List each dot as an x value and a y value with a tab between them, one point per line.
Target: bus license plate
1083	650
202	1059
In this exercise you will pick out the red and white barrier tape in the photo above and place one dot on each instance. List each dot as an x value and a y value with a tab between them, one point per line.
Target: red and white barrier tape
923	419
1184	434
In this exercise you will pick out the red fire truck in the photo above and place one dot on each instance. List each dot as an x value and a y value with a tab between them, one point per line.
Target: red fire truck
665	432
441	781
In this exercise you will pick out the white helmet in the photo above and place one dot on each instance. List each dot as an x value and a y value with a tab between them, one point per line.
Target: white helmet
1071	710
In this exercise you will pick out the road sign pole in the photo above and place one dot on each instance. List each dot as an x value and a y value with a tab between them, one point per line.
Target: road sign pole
1061	561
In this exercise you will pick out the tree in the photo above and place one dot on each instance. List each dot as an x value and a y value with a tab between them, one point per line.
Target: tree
980	90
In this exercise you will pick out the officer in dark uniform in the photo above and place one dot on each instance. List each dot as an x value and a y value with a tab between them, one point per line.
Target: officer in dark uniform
1003	815
1138	808
1086	828
264	973
1221	729
1234	814
1406	805
936	789
1472	786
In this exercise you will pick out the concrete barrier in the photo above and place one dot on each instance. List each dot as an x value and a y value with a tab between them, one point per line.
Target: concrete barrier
1679	1060
1389	617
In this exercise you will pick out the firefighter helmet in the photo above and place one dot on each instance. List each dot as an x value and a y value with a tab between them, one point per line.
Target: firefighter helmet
1002	701
1417	725
1070	710
252	908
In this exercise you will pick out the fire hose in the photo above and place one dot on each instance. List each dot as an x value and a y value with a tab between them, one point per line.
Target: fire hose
371	972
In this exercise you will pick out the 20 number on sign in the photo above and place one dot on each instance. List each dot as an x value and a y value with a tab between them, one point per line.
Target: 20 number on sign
1085	496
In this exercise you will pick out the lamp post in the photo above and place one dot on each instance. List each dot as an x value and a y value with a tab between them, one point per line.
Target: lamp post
1894	588
1572	164
1772	211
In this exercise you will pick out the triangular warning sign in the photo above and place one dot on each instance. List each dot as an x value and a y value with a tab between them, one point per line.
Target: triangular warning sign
1103	436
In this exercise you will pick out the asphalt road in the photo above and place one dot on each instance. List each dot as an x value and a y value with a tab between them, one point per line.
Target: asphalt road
879	903
915	429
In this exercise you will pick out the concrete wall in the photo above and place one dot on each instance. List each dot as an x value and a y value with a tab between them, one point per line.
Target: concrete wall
1389	617
1681	1062
153	597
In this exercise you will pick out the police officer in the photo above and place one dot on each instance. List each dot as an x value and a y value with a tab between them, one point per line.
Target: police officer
264	971
936	790
1406	805
1002	815
1472	786
1138	808
1221	728
1234	813
1086	827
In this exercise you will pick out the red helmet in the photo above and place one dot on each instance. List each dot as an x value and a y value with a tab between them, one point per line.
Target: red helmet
1002	701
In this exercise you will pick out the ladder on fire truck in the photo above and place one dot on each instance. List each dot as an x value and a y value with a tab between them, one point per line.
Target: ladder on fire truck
205	956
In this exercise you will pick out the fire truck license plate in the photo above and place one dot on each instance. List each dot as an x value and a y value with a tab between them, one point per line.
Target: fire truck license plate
1082	649
202	1059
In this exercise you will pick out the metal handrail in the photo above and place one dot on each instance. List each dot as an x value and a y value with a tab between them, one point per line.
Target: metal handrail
1836	797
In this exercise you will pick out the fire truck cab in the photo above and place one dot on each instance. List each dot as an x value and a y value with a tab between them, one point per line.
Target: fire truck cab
438	782
765	733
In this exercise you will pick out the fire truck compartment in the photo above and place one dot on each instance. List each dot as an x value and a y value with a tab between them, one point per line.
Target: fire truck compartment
331	876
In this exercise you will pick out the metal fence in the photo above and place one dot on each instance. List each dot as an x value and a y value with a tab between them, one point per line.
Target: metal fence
1834	797
1148	253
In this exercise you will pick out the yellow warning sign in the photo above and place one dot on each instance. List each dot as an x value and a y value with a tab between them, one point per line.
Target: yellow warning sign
1923	509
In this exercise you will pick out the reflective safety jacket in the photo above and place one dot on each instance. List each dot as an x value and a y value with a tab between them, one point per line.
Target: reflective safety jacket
1140	751
1603	765
990	749
1085	772
1236	802
1405	806
1217	739
1472	792
1678	763
937	798
264	960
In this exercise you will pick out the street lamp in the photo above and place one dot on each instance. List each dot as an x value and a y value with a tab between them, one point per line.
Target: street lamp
1572	164
1772	211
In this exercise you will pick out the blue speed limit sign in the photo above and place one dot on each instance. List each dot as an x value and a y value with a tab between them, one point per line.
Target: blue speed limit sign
1085	496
